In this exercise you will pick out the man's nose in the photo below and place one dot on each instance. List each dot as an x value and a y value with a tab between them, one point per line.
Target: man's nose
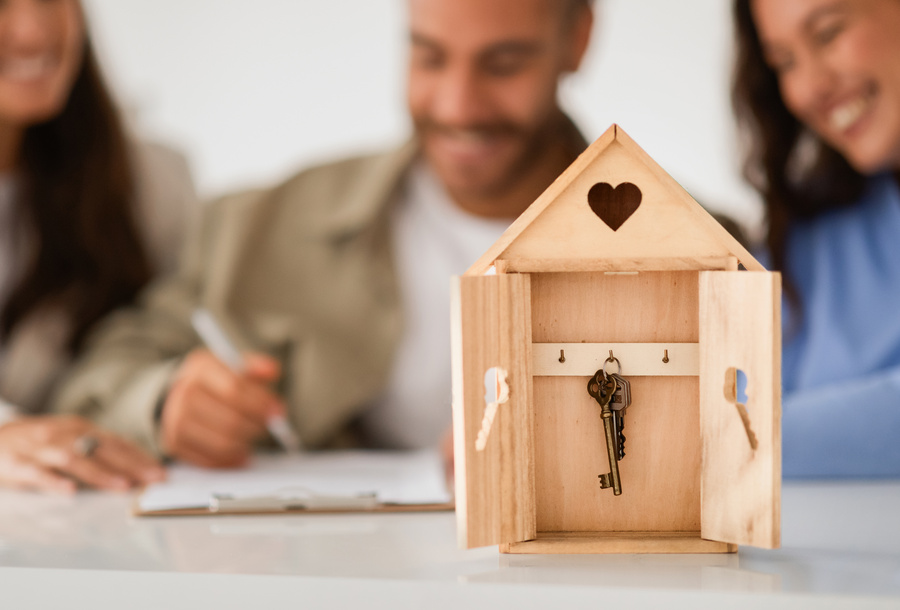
461	98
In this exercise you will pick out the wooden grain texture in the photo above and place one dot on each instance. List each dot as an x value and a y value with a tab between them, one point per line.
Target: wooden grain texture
667	226
661	470
619	542
518	519
652	307
494	487
741	486
660	473
616	264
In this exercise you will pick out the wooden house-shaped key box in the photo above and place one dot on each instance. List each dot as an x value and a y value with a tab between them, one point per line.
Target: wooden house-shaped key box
616	260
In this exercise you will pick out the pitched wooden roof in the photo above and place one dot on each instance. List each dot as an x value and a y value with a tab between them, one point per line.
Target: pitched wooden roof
614	208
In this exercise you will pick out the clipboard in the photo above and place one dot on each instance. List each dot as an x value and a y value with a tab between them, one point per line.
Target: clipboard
307	483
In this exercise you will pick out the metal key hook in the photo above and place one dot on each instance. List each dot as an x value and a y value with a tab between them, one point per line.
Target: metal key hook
609	360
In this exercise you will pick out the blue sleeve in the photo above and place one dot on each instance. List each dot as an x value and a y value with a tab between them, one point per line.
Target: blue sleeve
849	429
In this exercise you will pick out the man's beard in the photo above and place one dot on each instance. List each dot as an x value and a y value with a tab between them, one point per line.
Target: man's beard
530	145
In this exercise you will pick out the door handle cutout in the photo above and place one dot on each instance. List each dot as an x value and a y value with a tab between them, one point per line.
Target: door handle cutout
496	392
736	383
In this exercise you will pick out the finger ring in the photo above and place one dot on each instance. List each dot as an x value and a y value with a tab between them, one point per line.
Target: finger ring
85	445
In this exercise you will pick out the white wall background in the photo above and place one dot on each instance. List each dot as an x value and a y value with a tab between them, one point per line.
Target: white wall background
251	90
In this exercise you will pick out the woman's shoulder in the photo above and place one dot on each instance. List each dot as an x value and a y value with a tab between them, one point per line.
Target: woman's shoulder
878	203
856	234
166	204
882	190
162	166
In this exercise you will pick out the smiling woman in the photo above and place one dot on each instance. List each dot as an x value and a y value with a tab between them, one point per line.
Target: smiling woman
81	232
817	94
43	48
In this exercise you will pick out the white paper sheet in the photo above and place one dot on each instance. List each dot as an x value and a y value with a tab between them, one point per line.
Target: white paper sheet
396	477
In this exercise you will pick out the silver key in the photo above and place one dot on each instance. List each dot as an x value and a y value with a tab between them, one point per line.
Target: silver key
619	404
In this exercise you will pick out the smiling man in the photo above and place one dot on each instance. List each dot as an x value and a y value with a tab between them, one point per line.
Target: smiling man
336	283
483	96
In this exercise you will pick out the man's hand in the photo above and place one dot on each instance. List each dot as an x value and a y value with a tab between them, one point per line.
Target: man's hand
213	415
57	452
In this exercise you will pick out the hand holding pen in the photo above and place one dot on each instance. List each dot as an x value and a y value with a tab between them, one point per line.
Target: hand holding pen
220	403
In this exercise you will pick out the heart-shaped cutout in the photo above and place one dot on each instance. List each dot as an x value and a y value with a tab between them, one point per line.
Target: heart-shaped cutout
614	205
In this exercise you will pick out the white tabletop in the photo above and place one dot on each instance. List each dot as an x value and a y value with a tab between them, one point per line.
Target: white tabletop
840	549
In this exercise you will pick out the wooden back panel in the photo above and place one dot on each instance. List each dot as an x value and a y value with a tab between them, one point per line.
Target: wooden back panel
660	477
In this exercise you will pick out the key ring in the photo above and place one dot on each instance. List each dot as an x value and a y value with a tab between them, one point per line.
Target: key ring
607	361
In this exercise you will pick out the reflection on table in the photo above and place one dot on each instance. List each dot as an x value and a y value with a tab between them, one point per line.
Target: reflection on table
839	539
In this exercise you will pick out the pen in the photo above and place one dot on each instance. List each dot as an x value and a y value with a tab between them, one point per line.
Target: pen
221	346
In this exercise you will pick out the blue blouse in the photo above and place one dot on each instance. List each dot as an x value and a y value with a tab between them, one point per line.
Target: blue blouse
841	358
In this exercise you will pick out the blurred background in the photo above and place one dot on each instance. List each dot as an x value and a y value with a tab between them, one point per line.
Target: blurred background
251	90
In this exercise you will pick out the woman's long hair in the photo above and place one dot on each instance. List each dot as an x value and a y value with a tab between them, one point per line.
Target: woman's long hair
797	174
75	197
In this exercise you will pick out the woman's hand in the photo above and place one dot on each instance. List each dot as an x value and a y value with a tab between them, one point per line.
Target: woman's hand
58	453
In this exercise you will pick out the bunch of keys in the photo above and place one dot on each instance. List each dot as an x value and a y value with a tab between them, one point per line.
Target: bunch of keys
613	393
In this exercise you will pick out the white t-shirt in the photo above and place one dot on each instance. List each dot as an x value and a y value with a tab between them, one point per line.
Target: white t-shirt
433	240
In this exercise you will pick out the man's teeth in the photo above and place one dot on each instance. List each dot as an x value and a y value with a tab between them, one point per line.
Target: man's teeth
25	69
844	116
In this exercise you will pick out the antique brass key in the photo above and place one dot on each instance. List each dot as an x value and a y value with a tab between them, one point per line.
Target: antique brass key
602	388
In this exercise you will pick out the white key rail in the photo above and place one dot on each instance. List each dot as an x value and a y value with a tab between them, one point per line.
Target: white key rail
635	359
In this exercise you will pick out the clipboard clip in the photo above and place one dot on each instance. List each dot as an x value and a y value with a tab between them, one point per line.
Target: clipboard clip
291	499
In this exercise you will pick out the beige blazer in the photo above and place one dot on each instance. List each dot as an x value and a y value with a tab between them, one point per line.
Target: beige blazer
35	356
302	271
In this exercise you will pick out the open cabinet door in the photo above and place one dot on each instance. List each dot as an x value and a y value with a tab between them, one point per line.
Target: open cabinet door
491	331
740	427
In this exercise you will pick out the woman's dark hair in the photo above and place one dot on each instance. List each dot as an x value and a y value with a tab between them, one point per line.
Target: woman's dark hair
75	198
797	174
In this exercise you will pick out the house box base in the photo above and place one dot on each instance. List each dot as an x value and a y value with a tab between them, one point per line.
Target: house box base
618	542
